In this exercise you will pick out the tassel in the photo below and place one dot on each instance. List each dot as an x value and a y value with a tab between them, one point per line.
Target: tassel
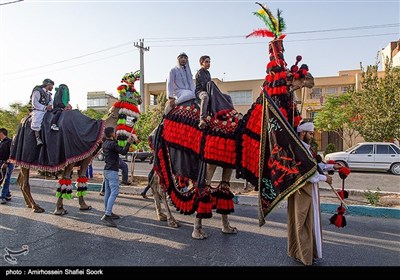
339	220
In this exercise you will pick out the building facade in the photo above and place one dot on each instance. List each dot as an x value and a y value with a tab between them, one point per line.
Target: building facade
100	101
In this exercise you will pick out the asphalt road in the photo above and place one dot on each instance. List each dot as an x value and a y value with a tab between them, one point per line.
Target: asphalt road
79	239
386	182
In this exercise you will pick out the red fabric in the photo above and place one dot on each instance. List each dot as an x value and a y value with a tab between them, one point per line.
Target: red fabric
173	134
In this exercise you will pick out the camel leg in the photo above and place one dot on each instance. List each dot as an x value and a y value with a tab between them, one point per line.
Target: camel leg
23	182
82	173
60	207
158	195
157	198
226	228
198	232
171	220
210	173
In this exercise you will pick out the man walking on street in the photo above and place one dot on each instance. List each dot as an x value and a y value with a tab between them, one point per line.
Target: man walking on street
6	167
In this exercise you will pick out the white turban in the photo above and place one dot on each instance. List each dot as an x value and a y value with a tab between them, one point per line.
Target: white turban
308	126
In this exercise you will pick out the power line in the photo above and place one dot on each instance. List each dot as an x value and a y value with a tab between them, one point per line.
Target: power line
1	4
176	39
287	41
387	25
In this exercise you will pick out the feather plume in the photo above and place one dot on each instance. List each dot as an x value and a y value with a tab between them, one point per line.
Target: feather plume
281	22
275	25
261	33
264	18
271	17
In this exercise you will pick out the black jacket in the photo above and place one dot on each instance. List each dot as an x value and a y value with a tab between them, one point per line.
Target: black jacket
111	152
5	148
203	76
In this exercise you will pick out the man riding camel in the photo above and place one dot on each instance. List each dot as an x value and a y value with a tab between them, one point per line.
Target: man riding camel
180	86
42	102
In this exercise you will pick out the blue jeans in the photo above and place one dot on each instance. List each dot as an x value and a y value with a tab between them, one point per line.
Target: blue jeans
89	172
111	185
124	170
6	186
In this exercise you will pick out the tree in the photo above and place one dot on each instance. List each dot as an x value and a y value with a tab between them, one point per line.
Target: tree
91	113
148	121
376	106
336	116
10	119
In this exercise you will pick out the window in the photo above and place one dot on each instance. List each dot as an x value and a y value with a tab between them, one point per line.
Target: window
344	89
96	102
385	149
331	90
153	99
242	97
364	150
316	93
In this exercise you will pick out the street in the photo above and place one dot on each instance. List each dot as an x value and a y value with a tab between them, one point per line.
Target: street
80	239
386	182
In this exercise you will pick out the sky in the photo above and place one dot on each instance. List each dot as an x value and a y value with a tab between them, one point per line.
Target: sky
89	45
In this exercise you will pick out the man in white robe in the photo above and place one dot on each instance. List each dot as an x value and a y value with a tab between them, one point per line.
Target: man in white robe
304	216
180	85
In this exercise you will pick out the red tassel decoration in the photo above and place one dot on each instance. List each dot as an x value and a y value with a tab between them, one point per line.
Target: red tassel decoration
339	220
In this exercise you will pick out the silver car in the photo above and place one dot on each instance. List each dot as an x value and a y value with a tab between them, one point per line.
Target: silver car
370	156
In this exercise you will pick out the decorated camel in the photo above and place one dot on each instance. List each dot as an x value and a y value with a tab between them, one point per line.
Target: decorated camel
262	146
77	141
74	144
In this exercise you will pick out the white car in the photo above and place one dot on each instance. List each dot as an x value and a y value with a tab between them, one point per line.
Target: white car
369	156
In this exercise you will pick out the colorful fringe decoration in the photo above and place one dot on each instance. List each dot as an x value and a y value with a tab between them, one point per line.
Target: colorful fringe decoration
81	186
64	189
128	113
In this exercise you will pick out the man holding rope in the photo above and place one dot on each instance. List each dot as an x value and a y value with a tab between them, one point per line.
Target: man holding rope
304	216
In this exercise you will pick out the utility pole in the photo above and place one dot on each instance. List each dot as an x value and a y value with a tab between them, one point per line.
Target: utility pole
142	49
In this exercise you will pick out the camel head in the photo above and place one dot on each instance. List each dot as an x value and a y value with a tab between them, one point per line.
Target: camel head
306	81
112	117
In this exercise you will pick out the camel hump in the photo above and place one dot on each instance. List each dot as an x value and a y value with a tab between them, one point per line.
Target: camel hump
77	138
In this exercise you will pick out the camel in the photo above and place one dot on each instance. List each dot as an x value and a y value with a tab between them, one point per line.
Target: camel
26	154
78	140
210	167
262	146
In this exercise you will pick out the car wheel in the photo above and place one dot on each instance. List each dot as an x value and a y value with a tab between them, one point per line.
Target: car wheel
395	168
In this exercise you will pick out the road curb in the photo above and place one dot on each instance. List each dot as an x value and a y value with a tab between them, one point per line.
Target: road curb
353	210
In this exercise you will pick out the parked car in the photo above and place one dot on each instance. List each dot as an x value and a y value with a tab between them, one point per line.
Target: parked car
139	155
370	156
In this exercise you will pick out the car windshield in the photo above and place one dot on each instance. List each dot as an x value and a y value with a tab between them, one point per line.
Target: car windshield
352	148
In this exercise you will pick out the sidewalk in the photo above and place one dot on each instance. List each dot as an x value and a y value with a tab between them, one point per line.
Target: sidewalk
329	202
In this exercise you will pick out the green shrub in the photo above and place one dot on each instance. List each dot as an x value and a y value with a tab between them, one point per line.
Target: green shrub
372	197
330	148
